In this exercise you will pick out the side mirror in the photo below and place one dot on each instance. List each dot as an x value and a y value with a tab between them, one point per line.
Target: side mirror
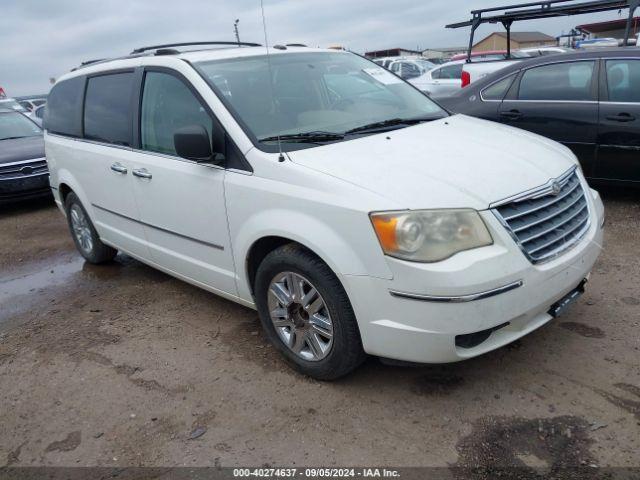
193	143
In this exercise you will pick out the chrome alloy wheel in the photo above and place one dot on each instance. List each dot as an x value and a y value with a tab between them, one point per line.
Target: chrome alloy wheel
81	229
300	316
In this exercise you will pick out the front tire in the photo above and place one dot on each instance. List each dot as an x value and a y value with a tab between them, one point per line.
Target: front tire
84	233
306	314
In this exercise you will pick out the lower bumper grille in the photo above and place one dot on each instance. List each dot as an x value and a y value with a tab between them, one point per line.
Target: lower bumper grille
548	221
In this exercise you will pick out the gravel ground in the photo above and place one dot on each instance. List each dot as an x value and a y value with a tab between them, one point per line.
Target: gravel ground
121	365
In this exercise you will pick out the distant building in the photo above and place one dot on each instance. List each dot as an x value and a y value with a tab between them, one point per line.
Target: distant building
446	52
612	29
498	41
392	52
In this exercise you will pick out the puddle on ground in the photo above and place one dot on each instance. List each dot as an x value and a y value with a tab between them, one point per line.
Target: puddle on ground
20	293
17	293
30	283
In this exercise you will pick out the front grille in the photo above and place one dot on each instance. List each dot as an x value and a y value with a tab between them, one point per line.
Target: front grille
27	168
545	223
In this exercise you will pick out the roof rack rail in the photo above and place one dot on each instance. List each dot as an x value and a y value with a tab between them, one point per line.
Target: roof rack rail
86	63
89	62
189	44
542	9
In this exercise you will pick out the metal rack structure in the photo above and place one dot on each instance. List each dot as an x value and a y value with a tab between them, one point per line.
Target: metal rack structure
507	15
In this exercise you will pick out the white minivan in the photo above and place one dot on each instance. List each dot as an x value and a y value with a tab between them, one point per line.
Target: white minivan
351	211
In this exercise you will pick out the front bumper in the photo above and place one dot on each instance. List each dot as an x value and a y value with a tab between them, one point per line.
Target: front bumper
424	330
23	188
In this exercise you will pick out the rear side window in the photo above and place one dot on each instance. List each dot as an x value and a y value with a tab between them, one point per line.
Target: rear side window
63	108
452	72
623	80
498	90
167	106
107	108
410	69
558	82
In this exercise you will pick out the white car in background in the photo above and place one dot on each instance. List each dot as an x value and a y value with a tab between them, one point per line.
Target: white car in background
12	104
32	103
38	114
545	51
441	81
19	106
597	43
408	68
475	70
351	211
385	61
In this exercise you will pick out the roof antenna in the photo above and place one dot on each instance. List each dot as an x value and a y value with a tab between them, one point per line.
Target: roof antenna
235	28
266	43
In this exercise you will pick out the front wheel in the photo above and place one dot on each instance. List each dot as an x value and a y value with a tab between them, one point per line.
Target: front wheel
306	314
84	233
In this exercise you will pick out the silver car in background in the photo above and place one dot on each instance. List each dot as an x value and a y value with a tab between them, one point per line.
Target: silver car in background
408	68
442	81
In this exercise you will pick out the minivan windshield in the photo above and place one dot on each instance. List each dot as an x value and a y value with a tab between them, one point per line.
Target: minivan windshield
314	98
15	125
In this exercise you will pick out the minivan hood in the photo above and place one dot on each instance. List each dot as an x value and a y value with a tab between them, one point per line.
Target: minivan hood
18	149
456	162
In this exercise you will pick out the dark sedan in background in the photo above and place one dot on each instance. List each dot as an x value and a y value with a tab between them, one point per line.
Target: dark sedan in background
588	101
23	167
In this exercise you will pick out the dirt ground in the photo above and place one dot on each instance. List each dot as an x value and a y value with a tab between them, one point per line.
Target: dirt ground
120	365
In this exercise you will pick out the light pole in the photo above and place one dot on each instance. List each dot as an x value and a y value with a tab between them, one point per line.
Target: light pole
235	28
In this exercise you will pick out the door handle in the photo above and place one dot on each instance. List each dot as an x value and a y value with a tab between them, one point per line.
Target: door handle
119	168
621	117
142	173
512	114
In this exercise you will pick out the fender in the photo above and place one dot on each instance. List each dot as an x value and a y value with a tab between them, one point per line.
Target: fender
314	234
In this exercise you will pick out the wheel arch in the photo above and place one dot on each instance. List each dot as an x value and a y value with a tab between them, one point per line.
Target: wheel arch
263	247
64	190
268	230
68	184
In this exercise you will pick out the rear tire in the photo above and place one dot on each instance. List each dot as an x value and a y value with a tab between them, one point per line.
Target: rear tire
306	314
84	233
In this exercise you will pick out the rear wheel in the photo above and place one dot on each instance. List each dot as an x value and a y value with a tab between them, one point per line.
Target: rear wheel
84	233
306	313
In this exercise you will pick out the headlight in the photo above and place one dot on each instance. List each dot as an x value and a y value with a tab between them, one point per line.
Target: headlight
430	235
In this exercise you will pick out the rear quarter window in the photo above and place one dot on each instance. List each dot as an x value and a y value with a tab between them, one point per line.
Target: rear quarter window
63	109
498	90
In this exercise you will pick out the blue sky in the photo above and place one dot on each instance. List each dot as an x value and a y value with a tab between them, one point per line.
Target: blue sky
42	39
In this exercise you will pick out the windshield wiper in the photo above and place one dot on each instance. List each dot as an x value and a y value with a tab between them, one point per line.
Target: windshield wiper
306	137
386	124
